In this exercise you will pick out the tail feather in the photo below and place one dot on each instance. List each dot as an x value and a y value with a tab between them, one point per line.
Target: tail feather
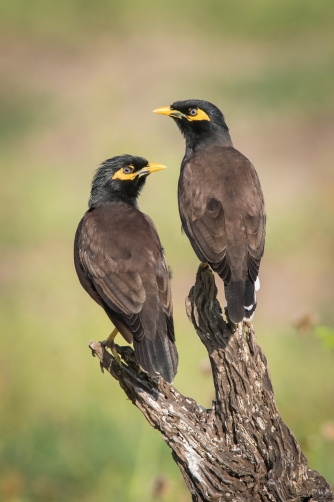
241	300
234	294
142	356
250	299
249	293
158	356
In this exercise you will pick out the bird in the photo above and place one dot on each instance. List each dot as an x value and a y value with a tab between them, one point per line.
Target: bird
221	204
121	264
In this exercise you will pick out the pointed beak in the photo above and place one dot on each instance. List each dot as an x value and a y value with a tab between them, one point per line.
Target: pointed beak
151	167
166	110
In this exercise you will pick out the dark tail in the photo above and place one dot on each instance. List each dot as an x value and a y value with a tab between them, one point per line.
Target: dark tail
240	299
158	356
250	299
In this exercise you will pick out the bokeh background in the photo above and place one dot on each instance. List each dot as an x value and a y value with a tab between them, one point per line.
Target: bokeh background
79	81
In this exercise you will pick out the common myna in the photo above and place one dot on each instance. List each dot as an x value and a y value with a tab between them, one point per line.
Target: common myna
121	264
221	203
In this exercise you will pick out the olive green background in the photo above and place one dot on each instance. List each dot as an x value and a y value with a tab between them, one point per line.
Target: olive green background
79	81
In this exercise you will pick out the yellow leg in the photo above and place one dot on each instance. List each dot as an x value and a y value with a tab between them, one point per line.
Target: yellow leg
111	338
109	342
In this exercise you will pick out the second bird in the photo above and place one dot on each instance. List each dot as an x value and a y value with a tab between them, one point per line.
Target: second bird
121	264
221	203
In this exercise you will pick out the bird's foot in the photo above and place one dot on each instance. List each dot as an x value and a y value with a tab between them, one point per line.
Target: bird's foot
109	344
116	355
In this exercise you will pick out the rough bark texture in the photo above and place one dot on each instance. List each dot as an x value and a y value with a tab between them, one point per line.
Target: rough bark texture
240	450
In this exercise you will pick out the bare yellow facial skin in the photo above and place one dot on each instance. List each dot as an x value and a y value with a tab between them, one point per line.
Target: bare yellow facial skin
201	115
167	110
151	167
121	175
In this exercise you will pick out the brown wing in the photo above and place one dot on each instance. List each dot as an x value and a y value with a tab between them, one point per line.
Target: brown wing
111	273
255	232
222	212
165	296
127	269
209	235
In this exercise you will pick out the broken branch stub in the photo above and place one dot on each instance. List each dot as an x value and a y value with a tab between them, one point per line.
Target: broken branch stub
240	449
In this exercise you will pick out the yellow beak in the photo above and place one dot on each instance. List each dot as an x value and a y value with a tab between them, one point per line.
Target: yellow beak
166	110
151	167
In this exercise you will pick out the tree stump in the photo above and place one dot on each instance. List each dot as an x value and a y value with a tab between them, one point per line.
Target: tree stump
240	450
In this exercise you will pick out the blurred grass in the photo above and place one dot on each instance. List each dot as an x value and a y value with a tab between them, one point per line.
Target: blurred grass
78	82
238	18
289	89
326	335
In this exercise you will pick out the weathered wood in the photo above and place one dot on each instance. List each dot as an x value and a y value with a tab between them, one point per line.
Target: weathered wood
240	450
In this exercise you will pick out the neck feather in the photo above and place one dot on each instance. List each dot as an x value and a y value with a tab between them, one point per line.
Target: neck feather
195	141
100	197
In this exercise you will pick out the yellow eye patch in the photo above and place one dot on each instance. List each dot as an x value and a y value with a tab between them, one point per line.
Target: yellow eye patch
122	173
176	114
200	115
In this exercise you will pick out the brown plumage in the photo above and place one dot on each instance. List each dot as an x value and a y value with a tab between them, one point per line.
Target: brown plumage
221	203
120	263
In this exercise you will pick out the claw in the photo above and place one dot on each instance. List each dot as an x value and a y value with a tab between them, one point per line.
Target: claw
116	355
110	344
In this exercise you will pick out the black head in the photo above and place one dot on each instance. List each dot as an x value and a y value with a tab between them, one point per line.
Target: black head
121	178
198	121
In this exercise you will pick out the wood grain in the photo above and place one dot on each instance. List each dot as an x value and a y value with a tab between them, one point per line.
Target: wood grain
239	450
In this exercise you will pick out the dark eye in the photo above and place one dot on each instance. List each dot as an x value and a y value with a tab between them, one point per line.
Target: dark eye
127	170
193	112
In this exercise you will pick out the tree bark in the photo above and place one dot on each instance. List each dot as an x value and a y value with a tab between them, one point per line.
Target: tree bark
239	450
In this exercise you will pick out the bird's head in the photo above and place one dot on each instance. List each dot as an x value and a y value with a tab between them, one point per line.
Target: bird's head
198	120
121	178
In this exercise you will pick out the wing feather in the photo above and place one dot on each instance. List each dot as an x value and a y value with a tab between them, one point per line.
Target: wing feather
209	233
165	296
130	280
255	232
116	282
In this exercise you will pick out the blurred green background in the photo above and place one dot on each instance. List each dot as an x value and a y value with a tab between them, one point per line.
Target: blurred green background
79	81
